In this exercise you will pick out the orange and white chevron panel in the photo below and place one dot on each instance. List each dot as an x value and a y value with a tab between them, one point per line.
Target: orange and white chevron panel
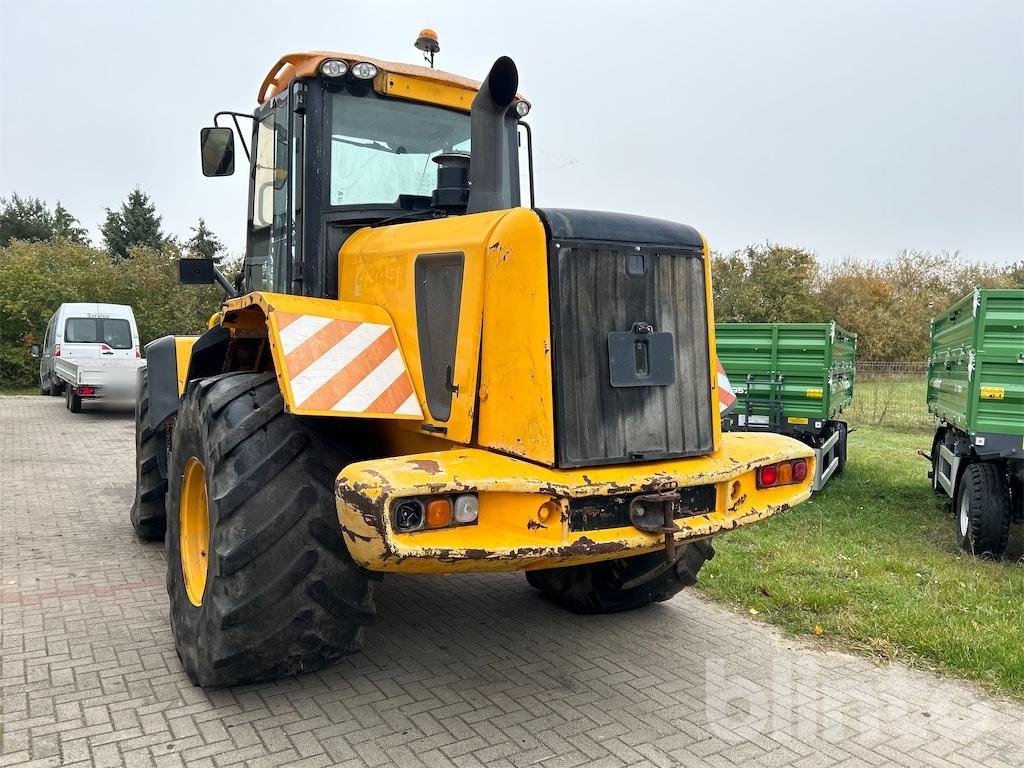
344	366
726	395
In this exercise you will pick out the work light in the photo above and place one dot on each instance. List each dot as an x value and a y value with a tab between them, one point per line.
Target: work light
364	70
333	68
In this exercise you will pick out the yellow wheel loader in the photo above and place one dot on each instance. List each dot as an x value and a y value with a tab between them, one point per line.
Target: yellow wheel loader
418	373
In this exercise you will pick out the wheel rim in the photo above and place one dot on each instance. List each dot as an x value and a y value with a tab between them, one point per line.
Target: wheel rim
194	533
965	519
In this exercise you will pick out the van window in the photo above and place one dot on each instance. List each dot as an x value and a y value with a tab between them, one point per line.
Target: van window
112	331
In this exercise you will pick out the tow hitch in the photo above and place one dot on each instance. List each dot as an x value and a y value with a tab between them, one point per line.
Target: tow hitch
657	512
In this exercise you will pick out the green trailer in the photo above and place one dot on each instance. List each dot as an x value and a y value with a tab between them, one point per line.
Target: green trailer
794	379
976	393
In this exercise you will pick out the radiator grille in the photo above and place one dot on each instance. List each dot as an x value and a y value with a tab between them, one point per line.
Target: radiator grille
604	287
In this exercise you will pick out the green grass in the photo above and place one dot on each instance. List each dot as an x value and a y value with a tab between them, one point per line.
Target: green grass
19	391
870	564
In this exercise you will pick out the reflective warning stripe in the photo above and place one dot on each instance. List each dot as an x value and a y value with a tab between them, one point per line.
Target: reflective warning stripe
726	396
345	366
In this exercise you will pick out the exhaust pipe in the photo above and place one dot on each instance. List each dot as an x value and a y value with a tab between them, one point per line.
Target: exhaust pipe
494	155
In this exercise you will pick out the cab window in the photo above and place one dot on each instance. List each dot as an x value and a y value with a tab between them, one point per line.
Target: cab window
269	257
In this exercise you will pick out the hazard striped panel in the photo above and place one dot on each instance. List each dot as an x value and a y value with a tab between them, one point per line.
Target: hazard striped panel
726	395
344	366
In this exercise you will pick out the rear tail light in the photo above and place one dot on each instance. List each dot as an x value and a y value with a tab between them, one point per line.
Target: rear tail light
782	473
433	512
85	391
56	350
138	352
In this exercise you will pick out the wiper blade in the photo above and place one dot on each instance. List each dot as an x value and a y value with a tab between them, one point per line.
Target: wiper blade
427	213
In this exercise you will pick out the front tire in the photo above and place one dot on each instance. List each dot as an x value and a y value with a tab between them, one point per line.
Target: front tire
606	587
279	594
982	510
148	515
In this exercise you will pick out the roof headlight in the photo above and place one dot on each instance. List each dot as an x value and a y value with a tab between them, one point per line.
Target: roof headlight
364	70
333	68
522	108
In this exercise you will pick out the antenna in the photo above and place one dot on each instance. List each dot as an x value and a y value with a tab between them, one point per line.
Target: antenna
427	42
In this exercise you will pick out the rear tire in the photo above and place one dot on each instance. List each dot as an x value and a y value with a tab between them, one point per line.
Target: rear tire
598	587
72	400
148	515
282	595
982	509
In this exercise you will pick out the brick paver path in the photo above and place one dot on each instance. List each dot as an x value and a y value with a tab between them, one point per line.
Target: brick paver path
467	671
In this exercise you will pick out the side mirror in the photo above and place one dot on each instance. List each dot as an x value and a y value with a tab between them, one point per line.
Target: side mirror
217	147
35	350
196	271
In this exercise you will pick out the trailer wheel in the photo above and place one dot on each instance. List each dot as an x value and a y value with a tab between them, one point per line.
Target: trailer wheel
72	400
148	515
260	581
601	587
982	510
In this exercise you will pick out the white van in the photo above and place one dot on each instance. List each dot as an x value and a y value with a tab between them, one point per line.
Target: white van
89	351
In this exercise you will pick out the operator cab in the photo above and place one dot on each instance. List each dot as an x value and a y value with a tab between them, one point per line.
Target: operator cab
341	142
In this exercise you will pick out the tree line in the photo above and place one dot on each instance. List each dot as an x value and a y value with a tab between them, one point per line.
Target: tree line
46	259
134	225
888	303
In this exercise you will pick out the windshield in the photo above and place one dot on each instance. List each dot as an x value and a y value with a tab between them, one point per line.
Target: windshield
113	332
382	148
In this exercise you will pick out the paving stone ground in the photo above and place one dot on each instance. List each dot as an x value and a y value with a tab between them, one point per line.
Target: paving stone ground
464	671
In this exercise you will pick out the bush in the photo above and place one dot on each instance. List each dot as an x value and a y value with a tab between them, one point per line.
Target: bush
38	277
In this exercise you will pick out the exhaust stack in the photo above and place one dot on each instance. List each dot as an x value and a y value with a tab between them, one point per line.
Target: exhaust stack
494	158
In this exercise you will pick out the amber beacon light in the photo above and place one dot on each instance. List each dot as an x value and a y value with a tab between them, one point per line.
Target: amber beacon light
427	42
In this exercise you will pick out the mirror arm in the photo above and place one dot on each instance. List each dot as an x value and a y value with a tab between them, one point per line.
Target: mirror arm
222	281
241	136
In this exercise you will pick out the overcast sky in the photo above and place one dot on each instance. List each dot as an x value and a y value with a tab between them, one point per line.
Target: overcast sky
849	128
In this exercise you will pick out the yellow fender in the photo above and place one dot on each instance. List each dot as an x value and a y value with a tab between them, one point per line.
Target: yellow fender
333	358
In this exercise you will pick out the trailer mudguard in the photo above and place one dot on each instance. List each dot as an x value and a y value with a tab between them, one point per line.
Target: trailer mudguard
332	358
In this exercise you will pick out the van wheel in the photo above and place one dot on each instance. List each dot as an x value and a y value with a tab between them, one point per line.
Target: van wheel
72	400
148	516
45	390
260	582
602	587
983	510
